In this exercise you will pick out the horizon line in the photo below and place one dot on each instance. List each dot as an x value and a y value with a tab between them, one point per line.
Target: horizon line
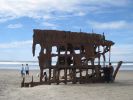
37	61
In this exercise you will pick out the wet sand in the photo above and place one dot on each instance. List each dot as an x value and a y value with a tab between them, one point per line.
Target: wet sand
121	89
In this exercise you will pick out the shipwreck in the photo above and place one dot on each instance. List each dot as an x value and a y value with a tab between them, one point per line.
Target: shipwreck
78	57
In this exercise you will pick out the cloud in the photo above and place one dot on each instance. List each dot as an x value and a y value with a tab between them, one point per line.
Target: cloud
80	14
13	26
122	52
4	18
16	44
11	9
33	8
17	50
123	49
106	3
50	25
110	25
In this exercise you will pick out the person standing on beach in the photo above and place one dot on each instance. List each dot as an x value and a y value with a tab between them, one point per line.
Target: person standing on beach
22	71
27	69
106	71
111	68
45	76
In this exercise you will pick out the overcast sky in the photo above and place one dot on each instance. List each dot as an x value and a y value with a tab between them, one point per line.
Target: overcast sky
18	18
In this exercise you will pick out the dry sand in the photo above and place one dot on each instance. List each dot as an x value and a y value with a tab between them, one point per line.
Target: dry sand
10	89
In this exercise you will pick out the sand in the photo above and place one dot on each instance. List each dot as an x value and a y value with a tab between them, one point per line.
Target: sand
10	89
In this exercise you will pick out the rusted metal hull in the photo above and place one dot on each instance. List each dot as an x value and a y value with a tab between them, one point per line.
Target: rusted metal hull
70	63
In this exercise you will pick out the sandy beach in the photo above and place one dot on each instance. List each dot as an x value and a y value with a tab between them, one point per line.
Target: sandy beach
10	89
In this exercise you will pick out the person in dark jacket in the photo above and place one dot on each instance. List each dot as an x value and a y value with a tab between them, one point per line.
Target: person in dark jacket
27	69
111	68
106	71
45	76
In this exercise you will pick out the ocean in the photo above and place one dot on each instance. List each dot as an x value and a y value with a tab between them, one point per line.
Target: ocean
33	65
18	65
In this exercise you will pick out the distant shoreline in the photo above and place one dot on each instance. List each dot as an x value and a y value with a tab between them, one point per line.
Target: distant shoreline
39	70
37	61
33	65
